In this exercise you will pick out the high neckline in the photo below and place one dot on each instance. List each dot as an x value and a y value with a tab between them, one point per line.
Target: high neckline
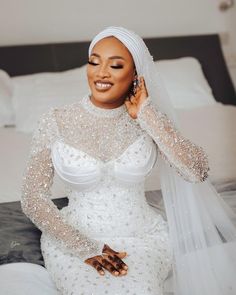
102	112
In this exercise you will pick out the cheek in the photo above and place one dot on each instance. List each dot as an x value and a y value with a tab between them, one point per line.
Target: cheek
125	79
90	76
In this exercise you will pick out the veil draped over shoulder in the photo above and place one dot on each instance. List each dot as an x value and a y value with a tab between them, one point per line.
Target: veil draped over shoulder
201	225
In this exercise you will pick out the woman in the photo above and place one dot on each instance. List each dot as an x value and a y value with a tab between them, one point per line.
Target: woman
103	147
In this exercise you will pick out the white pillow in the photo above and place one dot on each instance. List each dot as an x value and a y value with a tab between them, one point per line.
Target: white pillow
213	128
185	82
6	108
35	94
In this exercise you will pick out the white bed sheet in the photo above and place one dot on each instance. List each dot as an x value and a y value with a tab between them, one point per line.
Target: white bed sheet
212	127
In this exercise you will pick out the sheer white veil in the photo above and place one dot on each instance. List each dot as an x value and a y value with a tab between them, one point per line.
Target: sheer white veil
201	225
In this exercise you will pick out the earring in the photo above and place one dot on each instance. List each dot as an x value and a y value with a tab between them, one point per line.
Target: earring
134	85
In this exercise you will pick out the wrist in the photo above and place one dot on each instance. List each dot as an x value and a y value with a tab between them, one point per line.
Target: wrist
146	102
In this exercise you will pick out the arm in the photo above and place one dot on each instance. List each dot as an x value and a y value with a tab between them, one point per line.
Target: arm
36	202
188	159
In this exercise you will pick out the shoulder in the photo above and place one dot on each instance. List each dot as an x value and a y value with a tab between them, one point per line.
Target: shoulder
55	113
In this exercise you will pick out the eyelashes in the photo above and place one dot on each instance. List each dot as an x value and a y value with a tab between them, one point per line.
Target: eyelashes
113	67
92	63
117	67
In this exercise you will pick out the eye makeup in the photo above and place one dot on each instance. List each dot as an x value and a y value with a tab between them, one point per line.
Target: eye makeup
117	67
112	66
92	63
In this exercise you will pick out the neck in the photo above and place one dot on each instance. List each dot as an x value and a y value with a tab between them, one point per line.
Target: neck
107	105
101	111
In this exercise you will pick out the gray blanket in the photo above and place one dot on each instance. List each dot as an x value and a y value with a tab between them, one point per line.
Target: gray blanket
19	238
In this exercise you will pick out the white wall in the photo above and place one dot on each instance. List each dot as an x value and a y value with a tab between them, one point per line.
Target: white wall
230	41
44	21
33	21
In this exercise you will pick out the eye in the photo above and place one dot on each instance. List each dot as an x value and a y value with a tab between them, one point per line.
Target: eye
92	63
117	67
113	67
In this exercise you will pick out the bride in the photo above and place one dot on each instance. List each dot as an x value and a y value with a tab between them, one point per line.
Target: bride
108	240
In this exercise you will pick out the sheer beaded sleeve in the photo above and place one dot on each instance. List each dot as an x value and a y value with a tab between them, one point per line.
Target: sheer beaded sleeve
188	159
36	202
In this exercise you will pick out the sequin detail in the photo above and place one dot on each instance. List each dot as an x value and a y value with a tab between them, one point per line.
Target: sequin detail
101	112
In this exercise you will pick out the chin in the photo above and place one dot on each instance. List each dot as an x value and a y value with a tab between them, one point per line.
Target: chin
104	96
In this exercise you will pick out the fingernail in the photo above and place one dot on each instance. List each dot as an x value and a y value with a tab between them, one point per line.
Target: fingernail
126	267
123	271
116	273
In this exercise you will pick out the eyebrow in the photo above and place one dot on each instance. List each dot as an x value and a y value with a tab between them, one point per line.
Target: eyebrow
111	57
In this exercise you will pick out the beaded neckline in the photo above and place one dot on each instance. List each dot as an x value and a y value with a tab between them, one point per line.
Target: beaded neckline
101	112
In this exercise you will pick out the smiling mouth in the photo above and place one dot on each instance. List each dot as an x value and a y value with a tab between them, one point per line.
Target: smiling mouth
103	85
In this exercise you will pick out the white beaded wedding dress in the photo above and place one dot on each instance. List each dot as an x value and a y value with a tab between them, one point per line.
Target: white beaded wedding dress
103	156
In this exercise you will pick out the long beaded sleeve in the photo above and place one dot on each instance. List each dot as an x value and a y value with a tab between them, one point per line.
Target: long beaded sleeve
188	159
36	192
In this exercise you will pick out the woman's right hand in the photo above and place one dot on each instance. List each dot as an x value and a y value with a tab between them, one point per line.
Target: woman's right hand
109	260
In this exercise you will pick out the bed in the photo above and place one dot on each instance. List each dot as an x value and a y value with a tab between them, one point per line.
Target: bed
211	125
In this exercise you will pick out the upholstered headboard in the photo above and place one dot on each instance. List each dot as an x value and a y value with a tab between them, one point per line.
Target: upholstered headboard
28	59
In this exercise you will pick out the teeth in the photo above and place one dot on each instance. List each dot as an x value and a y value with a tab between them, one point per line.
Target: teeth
103	85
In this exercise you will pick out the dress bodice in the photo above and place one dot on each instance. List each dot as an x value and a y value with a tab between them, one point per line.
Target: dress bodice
81	171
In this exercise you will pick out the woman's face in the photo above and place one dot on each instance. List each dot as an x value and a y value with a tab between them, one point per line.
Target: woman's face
110	73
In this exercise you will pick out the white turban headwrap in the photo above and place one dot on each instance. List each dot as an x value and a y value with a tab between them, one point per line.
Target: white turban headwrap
132	41
201	224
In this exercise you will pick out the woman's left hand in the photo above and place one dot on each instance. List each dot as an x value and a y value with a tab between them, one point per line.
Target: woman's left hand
134	103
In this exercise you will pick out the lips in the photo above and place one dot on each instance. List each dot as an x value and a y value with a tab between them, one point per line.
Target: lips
102	85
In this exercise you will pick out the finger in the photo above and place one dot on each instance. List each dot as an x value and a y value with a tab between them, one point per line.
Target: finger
118	254
133	99
108	266
108	250
98	267
128	103
95	264
118	263
143	85
121	254
141	81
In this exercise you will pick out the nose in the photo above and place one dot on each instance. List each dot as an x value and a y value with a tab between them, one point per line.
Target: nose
103	71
